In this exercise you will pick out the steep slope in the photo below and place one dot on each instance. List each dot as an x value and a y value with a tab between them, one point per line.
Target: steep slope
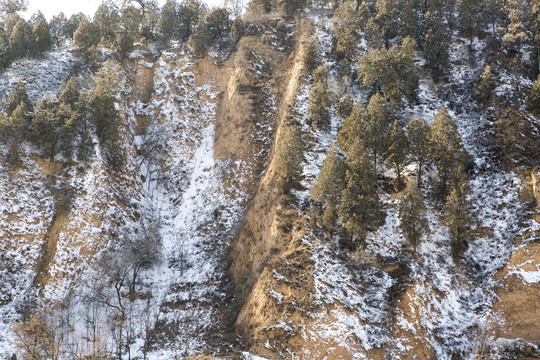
219	261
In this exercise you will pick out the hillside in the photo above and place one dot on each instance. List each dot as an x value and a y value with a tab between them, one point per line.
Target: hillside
179	236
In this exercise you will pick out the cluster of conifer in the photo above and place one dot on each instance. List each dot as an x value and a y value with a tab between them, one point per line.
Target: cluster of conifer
67	124
20	38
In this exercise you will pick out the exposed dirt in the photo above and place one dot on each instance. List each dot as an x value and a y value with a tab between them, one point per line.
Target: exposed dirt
519	301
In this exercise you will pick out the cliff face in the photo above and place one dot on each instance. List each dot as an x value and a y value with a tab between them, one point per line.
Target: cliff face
192	250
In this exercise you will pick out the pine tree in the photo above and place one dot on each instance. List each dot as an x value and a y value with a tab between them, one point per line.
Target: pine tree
8	7
329	186
412	214
168	24
346	26
41	37
345	106
57	26
418	134
70	94
397	152
83	121
17	96
351	127
107	20
86	36
289	8
533	101
447	151
288	158
218	22
237	27
436	44
360	210
470	12
13	128
20	40
493	10
516	33
53	126
311	55
409	20
391	71
486	85
386	18
5	55
458	216
109	79
73	24
190	12
319	105
375	125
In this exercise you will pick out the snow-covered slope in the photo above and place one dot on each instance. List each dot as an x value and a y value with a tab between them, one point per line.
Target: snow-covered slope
224	263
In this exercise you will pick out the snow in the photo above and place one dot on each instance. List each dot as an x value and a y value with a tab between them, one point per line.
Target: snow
43	77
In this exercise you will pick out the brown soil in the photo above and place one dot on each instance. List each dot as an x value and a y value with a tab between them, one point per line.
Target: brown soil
519	301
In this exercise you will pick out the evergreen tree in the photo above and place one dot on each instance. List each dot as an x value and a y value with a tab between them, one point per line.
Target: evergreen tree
200	38
13	128
391	71
351	127
58	28
319	105
470	15
409	20
218	22
311	55
533	102
436	44
360	211
70	94
73	24
486	85
17	96
288	8
516	33
345	106
397	152
386	18
9	7
237	27
329	186
168	24
109	79
52	125
86	36
107	20
84	118
5	56
124	43
10	22
374	126
288	158
131	21
346	26
109	82
190	12
261	7
418	134
493	11
412	214
458	216
20	40
447	151
41	37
